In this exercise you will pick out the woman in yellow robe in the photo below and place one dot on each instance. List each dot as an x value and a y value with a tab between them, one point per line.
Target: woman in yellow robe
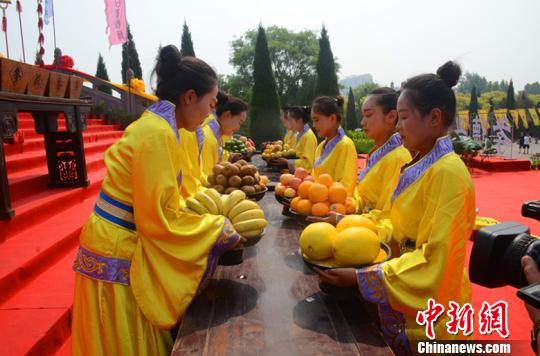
141	258
231	113
290	135
432	213
377	181
305	142
336	155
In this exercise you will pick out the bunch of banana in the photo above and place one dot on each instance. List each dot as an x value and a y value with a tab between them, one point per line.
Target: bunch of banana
245	215
206	202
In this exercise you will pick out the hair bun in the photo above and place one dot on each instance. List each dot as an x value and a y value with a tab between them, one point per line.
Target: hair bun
339	101
167	61
222	98
449	73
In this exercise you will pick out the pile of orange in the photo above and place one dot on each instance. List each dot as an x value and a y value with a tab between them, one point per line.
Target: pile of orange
322	197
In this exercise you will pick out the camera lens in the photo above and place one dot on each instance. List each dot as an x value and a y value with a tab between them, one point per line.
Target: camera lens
522	245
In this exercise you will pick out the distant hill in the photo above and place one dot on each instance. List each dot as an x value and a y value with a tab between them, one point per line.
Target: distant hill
353	81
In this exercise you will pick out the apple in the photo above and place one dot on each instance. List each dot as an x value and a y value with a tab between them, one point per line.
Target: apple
290	193
301	173
286	178
295	183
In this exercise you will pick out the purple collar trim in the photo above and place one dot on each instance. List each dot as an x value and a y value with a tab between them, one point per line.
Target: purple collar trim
411	174
214	126
374	157
301	133
165	110
329	147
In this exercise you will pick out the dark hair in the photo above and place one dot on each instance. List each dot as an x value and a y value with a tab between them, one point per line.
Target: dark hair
226	102
386	98
429	91
177	74
300	112
328	105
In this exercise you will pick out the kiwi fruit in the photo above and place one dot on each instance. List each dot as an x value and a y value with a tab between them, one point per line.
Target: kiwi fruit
221	180
218	169
248	180
212	179
248	189
220	189
235	181
230	190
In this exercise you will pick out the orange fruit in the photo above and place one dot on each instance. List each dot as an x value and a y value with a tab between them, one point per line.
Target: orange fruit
325	179
286	178
337	193
280	189
301	173
294	203
349	206
319	209
303	207
318	193
303	189
356	221
338	208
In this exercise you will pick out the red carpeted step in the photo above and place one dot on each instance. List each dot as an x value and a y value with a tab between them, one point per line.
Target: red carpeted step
31	133
65	350
36	320
40	207
32	181
38	144
18	163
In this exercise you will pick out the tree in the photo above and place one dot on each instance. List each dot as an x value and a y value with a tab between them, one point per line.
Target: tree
532	88
363	90
101	72
352	117
265	123
327	83
510	97
293	56
187	44
130	55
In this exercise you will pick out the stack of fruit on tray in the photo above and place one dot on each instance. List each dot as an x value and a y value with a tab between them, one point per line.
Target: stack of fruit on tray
352	243
245	215
228	177
241	145
315	197
277	149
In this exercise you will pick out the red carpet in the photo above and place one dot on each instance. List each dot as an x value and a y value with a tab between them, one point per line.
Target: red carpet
37	247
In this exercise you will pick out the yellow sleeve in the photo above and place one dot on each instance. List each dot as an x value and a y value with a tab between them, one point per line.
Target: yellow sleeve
173	248
306	151
445	226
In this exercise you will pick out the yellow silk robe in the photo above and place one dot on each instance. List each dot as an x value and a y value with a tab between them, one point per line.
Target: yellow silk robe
305	147
193	179
433	213
164	259
212	151
290	138
338	158
380	177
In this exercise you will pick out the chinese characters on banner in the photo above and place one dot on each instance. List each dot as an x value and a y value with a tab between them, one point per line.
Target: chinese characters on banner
115	11
491	318
503	131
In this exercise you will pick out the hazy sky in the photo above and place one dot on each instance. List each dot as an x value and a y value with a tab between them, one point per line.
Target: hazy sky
391	39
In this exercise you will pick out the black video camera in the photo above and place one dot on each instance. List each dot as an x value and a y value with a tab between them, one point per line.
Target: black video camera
497	252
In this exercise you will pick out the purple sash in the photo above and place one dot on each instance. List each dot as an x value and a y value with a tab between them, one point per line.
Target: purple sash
393	142
214	126
300	134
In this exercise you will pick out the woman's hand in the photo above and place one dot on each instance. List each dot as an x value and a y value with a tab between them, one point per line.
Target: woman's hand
339	277
330	218
280	162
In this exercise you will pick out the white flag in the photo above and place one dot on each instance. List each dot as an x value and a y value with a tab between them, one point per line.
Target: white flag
49	11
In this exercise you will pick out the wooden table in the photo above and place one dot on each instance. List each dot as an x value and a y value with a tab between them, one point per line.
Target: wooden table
271	305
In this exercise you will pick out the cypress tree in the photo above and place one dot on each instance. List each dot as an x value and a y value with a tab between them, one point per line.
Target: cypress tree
129	50
101	72
352	118
510	97
473	107
327	83
187	44
265	123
